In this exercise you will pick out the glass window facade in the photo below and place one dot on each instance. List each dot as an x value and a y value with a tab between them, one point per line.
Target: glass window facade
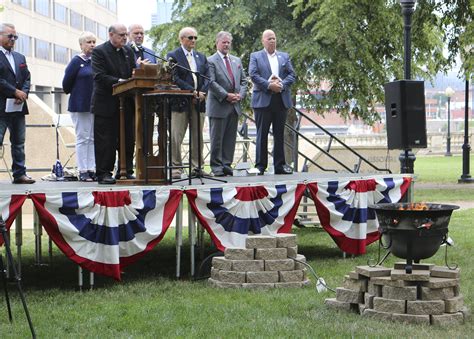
112	6
61	54
23	3
75	20
90	25
42	49
23	45
101	32
60	13
43	7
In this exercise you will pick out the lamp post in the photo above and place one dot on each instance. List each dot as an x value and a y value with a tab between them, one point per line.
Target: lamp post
466	148
407	157
449	93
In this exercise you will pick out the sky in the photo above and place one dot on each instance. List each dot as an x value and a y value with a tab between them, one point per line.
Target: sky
136	11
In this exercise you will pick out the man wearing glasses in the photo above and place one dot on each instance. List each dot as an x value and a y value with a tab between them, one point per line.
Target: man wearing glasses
189	58
14	89
112	62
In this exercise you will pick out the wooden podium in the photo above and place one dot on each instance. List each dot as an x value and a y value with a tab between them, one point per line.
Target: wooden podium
151	166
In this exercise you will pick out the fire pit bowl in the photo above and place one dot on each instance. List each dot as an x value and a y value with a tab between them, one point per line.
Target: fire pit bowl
413	231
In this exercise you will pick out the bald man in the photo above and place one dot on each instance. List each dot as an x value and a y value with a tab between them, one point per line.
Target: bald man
272	75
136	36
112	62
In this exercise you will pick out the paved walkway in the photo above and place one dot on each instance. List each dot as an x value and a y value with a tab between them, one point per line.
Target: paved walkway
454	186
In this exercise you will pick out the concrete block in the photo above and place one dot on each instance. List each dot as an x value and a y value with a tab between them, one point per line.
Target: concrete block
400	293
338	305
374	289
377	271
291	276
411	318
239	254
369	300
416	275
222	263
280	265
215	273
292	252
454	305
384	316
387	281
286	240
271	253
232	277
221	284
355	275
466	312
444	272
248	265
436	282
437	293
260	241
389	305
400	265
425	307
353	284
258	286
447	319
457	290
293	284
299	266
349	296
361	308
262	277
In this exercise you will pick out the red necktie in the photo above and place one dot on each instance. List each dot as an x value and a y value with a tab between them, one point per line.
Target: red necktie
229	70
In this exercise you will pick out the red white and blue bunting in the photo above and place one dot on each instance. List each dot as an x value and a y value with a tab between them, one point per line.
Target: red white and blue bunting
230	213
343	211
10	206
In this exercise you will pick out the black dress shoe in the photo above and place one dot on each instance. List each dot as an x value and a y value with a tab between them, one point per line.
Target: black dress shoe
24	179
261	171
218	174
128	176
284	170
106	180
228	171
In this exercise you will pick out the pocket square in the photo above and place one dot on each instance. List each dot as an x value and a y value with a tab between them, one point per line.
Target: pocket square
22	65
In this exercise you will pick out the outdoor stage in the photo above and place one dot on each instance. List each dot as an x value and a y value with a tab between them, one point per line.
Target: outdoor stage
105	228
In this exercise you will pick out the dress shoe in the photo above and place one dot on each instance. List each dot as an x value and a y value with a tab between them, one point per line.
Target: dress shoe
128	176
176	175
92	175
84	176
228	171
218	174
24	179
106	180
261	171
197	172
284	170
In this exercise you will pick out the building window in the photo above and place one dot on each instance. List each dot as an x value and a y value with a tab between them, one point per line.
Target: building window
101	32
42	49
103	3
60	13
23	45
61	54
112	6
23	3
75	20
42	7
90	25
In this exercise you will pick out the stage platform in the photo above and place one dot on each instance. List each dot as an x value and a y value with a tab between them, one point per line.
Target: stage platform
129	219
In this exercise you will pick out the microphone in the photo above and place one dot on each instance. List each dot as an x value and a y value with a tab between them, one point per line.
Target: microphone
134	47
172	62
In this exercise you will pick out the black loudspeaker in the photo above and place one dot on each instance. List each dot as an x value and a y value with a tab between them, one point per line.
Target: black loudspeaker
405	114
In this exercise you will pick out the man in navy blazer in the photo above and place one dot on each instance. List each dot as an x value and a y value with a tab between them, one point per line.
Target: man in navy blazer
14	89
272	75
188	57
136	35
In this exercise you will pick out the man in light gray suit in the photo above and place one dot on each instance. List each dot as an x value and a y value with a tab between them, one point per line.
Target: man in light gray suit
227	88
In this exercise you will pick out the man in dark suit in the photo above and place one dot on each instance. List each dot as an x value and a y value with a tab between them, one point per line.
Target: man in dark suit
228	86
14	89
188	57
136	35
272	75
112	62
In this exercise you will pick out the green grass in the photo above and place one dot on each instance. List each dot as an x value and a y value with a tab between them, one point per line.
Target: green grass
151	303
441	169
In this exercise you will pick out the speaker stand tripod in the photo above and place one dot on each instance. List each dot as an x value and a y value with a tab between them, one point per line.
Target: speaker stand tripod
3	232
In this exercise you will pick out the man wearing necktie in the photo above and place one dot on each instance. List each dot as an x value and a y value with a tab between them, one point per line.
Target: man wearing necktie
136	36
14	89
112	62
227	88
272	75
188	57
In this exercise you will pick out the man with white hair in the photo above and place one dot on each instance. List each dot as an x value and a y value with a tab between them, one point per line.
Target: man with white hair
136	36
14	89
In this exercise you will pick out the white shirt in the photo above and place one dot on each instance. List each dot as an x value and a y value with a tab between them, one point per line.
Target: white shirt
273	60
9	56
192	64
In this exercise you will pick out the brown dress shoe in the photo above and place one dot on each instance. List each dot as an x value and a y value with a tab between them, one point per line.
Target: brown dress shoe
24	179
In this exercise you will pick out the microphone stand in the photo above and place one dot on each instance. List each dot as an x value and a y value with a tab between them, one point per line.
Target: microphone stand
173	64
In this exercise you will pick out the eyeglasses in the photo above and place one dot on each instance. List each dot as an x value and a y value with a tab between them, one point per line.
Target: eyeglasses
191	37
122	35
11	36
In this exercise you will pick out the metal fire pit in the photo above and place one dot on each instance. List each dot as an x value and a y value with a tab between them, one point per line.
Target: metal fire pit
410	233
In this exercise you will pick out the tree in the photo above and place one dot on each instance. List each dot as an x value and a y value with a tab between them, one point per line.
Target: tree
355	46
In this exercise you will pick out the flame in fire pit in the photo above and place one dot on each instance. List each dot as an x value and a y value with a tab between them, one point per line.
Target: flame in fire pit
416	206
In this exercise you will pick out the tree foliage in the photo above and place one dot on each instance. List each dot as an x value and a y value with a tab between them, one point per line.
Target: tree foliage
350	48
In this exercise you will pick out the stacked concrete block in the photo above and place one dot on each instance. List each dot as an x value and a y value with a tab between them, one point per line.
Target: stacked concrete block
429	295
266	262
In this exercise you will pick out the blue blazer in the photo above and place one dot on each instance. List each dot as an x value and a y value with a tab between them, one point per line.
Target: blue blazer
260	72
184	79
147	54
9	81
